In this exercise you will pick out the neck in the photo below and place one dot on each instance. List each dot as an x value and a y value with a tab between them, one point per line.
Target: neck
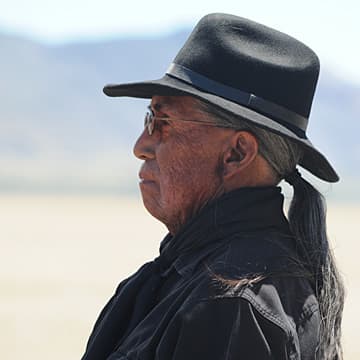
243	210
175	226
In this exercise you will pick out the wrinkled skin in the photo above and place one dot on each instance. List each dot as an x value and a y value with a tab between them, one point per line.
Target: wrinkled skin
183	163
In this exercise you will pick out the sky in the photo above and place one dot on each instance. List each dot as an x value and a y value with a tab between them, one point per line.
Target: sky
330	27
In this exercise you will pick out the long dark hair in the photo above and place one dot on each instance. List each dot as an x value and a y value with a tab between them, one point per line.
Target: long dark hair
307	219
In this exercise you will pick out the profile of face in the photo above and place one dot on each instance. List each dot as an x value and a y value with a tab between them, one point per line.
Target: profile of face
183	162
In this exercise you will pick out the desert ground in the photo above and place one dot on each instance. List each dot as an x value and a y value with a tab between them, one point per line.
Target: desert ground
62	257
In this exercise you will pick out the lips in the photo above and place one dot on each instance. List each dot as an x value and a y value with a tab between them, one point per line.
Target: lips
145	175
146	181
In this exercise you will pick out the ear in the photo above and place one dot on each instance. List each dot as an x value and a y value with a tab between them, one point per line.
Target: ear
240	155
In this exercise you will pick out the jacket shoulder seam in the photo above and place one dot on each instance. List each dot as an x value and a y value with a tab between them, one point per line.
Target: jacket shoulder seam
271	316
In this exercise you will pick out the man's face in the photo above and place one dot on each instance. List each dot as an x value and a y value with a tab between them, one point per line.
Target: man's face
182	167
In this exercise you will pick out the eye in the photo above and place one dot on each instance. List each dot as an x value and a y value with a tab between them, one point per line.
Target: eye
165	122
161	123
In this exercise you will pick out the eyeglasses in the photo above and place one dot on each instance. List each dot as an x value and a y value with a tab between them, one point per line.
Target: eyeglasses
150	118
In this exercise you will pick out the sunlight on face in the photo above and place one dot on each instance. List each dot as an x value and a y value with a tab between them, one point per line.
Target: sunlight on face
182	167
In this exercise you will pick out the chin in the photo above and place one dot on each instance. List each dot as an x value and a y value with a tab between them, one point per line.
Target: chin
152	204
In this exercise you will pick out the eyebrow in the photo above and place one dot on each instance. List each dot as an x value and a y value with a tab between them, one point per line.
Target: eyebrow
156	107
159	106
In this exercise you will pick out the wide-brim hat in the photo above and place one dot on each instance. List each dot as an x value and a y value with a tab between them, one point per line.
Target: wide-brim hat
247	69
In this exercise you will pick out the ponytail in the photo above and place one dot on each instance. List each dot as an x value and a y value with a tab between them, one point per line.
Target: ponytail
307	218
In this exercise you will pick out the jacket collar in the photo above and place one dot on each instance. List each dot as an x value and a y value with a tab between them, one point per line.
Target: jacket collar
244	210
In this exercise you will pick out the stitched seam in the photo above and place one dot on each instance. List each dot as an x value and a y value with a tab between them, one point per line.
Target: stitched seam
246	296
264	312
267	314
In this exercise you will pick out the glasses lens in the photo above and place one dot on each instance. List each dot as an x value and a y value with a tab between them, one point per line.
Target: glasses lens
149	122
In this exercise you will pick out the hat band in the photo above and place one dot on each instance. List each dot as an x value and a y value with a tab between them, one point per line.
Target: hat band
285	116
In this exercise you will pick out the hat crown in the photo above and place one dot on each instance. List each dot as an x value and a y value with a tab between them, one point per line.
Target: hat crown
249	70
256	59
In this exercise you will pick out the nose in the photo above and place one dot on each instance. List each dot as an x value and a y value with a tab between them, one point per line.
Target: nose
144	148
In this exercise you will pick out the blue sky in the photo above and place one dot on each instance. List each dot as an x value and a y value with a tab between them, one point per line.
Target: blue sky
331	27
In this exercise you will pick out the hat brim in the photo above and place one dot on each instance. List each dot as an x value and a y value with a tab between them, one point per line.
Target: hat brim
312	159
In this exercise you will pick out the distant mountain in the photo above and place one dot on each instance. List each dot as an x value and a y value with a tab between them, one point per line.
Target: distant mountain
58	131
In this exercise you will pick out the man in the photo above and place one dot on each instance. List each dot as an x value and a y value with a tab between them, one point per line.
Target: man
235	278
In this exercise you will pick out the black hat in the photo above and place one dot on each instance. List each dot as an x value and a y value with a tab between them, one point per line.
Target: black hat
248	69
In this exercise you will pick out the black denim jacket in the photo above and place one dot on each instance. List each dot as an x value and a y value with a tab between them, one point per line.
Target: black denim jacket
229	286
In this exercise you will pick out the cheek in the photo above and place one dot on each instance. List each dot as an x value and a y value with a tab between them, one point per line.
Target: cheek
189	177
